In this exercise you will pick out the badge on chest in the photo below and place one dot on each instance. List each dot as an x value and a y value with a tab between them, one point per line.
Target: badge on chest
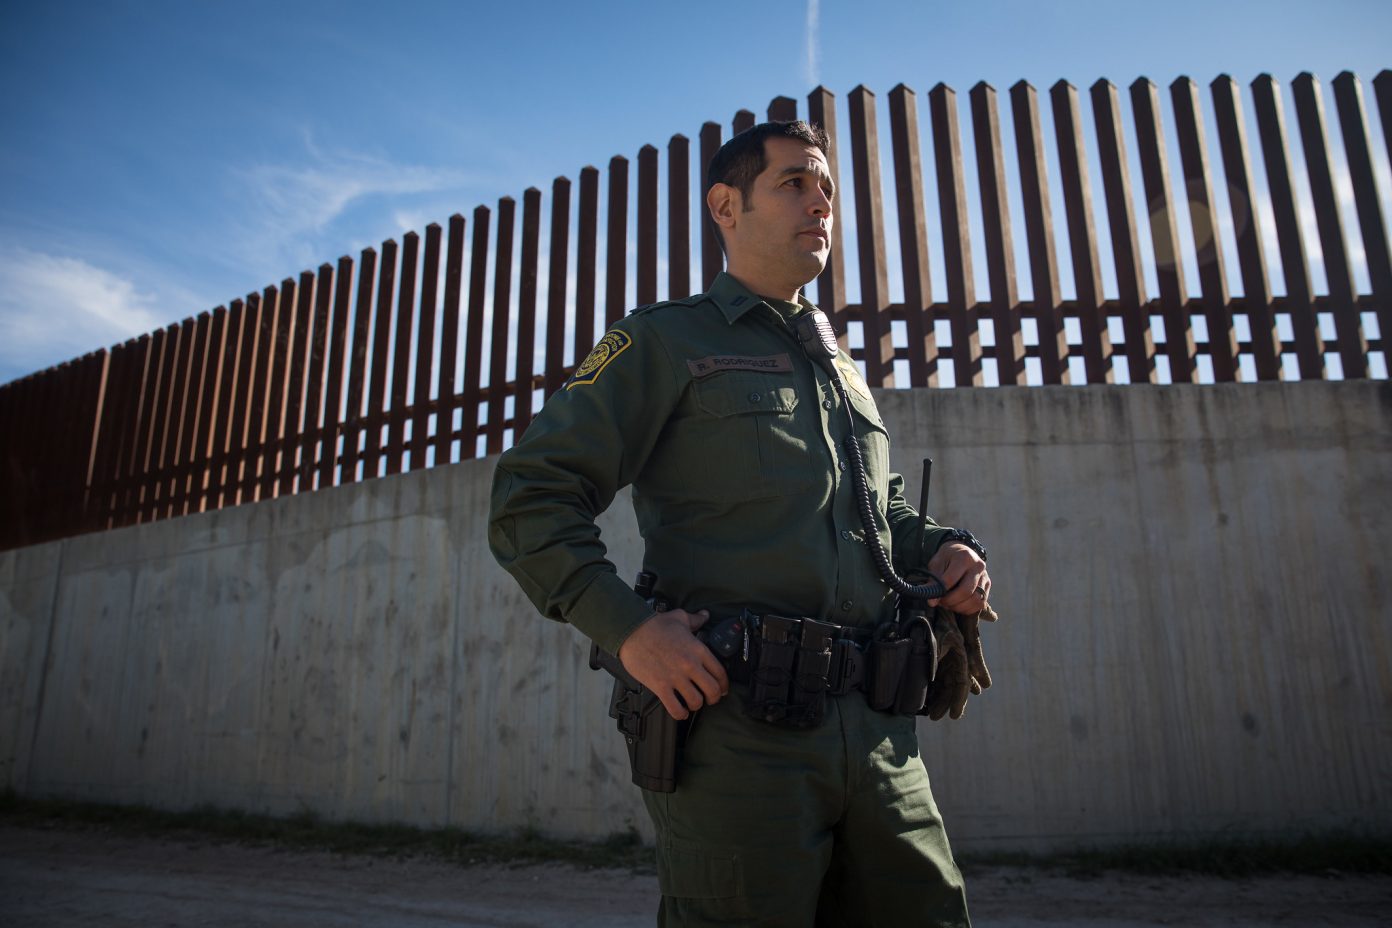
850	373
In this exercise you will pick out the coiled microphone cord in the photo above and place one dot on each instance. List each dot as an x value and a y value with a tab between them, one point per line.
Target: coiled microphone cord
895	582
814	334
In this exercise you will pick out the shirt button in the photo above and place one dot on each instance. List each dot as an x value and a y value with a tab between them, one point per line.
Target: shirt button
846	606
841	464
826	404
755	397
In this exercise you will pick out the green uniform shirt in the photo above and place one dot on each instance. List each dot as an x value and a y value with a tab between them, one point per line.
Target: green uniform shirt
732	440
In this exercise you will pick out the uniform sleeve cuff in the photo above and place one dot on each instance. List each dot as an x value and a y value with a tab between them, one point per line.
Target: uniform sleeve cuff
933	540
608	612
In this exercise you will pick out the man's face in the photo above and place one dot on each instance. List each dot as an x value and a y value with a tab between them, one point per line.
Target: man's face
784	226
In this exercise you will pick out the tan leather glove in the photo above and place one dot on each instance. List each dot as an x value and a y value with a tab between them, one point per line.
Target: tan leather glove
970	626
947	695
961	662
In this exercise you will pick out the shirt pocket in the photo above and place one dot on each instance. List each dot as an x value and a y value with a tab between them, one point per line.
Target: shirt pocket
748	422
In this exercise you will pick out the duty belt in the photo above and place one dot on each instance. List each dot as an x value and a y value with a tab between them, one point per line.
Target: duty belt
791	665
833	657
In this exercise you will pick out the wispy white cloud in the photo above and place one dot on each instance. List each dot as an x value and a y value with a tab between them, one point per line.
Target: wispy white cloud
813	45
413	220
297	211
54	308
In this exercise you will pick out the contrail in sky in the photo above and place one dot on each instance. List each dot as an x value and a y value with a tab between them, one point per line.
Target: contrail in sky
814	15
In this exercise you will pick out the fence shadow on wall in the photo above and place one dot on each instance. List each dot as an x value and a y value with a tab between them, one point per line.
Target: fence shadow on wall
342	376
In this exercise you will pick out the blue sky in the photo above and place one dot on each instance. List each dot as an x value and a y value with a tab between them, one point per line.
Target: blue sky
161	158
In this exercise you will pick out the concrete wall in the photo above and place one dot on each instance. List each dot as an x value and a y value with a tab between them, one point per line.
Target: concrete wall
1195	636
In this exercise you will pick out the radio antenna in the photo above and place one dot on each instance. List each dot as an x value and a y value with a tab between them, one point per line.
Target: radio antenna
923	505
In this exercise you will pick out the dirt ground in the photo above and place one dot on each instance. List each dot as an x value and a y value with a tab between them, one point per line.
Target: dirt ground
56	878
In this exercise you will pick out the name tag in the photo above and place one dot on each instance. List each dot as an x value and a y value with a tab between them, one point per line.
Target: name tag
704	367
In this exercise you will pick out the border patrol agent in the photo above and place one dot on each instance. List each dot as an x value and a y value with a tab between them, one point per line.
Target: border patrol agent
732	440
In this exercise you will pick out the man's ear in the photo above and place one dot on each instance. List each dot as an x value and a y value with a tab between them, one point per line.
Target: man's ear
723	201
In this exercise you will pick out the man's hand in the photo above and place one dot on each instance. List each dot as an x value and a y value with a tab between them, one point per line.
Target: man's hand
664	655
964	575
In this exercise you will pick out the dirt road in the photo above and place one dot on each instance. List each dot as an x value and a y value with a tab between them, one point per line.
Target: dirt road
57	878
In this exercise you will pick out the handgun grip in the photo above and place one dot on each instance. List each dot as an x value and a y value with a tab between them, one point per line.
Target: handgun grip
601	659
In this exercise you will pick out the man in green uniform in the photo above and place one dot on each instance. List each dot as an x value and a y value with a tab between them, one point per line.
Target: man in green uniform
732	439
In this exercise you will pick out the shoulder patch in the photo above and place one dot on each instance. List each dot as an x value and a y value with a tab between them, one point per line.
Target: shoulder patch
613	344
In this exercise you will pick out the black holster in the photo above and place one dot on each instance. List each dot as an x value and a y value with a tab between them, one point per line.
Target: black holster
915	629
654	739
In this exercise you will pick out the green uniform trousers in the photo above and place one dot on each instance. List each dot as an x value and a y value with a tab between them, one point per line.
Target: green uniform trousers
835	826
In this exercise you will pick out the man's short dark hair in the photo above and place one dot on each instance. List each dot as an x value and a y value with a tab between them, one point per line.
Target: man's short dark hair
742	159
